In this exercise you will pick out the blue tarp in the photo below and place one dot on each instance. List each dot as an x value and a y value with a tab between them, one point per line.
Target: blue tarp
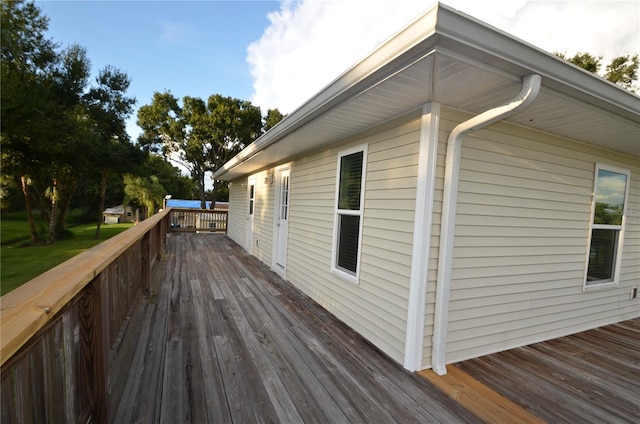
185	204
193	204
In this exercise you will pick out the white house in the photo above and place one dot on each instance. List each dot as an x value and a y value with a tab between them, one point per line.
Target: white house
119	213
456	193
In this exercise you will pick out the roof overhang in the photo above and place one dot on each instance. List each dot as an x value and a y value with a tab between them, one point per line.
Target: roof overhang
448	57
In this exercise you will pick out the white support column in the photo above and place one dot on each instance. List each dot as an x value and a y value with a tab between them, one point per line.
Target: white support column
427	158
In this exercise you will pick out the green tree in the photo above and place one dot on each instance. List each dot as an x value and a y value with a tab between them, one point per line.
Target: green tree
26	60
273	117
583	60
146	192
203	136
162	130
66	129
108	108
52	163
42	155
178	185
226	127
623	70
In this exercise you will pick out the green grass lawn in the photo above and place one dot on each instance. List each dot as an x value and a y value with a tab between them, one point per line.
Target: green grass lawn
14	227
20	264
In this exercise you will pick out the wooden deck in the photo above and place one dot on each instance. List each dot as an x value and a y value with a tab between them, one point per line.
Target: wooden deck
223	339
589	377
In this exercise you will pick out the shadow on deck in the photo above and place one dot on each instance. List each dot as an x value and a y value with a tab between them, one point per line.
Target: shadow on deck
223	339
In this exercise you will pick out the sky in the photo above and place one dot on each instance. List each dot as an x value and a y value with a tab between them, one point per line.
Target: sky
278	54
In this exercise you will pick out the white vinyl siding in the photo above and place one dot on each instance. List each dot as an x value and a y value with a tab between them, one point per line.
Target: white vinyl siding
377	306
237	219
522	231
264	193
263	216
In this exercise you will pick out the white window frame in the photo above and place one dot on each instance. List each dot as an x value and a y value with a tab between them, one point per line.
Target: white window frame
600	284
346	274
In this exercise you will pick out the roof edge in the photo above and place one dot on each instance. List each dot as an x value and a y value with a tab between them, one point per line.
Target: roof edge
444	26
557	73
349	82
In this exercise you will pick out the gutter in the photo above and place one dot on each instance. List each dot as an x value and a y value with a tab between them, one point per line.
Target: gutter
528	93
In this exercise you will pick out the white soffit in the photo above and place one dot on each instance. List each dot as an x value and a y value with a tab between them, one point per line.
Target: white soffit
562	115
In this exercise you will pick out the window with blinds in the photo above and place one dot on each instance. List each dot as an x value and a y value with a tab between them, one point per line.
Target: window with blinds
348	215
607	225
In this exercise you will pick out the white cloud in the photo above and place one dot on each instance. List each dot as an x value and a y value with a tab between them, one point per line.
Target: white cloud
602	28
174	33
310	42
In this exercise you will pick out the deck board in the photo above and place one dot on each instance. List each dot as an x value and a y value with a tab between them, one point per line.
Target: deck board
589	377
226	340
222	339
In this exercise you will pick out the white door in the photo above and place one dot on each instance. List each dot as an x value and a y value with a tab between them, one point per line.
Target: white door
251	204
283	186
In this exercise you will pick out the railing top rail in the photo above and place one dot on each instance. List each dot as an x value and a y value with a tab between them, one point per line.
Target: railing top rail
29	307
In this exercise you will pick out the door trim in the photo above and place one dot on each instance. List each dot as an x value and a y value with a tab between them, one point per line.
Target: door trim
275	266
250	211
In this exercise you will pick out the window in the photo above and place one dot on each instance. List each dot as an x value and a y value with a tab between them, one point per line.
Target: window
607	225
284	197
252	197
348	211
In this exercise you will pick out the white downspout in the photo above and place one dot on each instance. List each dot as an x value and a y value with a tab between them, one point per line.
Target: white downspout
528	93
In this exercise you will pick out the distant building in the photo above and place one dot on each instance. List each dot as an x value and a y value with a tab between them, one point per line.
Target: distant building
119	214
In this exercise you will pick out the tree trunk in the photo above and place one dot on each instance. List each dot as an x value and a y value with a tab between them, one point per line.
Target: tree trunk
103	195
27	201
199	179
65	201
216	184
53	214
64	212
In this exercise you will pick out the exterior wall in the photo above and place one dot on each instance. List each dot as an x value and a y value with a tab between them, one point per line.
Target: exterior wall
522	232
263	217
376	307
263	214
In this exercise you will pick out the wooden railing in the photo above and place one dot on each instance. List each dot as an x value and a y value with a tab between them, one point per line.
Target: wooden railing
60	333
199	220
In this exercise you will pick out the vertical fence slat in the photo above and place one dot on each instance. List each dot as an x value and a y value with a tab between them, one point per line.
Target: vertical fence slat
93	349
68	357
145	264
